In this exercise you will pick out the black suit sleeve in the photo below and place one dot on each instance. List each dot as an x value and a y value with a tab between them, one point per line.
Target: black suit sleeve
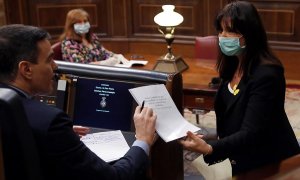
70	159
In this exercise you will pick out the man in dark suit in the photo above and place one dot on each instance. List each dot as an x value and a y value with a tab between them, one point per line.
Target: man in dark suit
26	66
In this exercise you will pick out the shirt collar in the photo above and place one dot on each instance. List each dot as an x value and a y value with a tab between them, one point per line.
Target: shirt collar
20	91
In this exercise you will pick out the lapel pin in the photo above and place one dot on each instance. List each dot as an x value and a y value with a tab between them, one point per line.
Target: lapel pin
235	90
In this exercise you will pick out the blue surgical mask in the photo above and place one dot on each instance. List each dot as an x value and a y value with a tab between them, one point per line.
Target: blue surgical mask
82	28
230	46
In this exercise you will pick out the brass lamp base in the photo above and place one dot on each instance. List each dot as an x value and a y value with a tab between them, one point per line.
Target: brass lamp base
174	65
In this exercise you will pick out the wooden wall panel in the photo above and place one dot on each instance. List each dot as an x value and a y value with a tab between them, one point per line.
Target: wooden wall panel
134	18
55	25
51	14
196	22
118	18
14	11
286	17
143	15
281	22
128	26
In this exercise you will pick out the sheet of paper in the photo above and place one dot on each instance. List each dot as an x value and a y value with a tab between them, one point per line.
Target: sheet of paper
170	124
133	62
108	145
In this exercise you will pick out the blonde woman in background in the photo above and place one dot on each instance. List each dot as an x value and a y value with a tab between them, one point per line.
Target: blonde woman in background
80	45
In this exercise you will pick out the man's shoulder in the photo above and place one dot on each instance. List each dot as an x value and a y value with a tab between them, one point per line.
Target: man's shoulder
38	110
41	114
36	106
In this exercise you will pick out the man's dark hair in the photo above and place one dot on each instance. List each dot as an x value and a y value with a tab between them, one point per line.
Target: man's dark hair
18	42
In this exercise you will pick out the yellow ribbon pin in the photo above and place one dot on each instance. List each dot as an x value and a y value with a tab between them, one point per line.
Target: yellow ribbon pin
235	90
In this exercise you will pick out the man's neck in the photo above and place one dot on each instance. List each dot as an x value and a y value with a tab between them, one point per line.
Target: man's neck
22	87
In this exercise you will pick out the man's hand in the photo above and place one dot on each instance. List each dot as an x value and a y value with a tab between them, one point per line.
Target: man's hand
80	130
144	122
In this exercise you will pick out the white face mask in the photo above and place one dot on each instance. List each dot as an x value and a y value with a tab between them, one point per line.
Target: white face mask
82	28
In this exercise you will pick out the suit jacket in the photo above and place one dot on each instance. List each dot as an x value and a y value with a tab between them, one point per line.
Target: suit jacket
253	129
64	156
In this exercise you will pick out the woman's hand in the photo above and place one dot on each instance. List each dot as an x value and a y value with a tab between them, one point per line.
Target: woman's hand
122	59
107	62
80	130
194	142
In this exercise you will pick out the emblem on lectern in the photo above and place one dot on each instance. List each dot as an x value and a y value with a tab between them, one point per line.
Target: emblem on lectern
103	102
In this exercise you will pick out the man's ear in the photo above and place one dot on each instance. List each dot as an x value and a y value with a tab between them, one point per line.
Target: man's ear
25	69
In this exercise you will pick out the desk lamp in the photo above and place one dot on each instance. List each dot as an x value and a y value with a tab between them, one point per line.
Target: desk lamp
167	21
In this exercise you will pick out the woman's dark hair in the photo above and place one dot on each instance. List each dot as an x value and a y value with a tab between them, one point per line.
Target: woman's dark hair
18	42
242	17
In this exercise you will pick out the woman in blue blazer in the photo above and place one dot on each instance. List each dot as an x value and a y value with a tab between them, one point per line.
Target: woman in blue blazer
252	126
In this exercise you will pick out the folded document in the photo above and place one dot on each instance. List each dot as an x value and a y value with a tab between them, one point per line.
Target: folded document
170	124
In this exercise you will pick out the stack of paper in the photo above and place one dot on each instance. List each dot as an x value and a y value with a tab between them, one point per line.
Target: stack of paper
108	145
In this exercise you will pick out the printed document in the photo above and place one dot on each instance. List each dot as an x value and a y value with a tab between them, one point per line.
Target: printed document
170	124
133	63
108	145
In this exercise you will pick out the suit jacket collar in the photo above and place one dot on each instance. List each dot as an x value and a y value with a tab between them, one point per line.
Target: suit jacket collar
19	91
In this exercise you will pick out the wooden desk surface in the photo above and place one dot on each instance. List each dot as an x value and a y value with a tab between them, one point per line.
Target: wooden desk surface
196	90
197	76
